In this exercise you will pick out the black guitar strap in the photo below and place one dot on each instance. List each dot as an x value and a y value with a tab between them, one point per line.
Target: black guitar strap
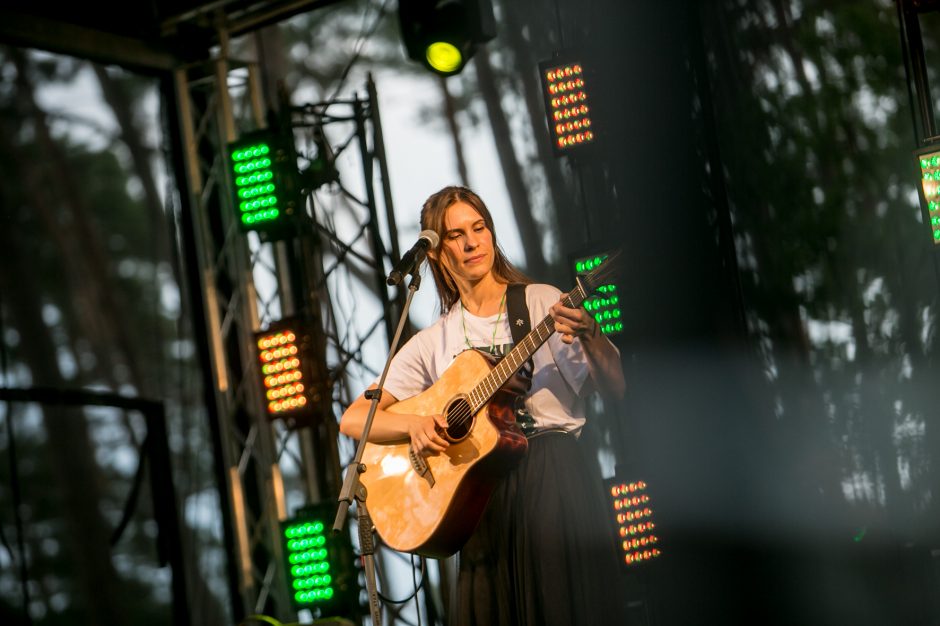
518	312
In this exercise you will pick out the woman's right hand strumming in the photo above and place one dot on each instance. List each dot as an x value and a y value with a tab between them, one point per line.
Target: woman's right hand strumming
425	432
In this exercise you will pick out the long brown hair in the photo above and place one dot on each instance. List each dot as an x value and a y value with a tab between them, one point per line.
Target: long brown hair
432	217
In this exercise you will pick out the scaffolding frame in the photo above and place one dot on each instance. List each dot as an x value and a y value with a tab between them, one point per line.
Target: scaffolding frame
246	284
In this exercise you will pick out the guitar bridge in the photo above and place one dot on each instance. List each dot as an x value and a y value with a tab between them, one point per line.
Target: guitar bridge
420	465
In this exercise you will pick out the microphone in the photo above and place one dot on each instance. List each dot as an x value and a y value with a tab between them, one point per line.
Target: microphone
428	239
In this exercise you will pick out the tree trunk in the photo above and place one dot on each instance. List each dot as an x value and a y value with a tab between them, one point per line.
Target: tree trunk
561	194
529	230
103	316
450	114
205	603
802	426
101	309
70	455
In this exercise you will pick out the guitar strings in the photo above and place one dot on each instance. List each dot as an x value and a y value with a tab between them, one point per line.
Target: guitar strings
464	411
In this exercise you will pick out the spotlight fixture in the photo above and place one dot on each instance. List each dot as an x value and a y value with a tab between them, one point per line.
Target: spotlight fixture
443	35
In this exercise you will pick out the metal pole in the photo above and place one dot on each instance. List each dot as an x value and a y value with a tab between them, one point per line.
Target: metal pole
368	175
379	154
914	48
352	487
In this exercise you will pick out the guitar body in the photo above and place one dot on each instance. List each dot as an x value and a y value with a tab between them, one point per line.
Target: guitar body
431	507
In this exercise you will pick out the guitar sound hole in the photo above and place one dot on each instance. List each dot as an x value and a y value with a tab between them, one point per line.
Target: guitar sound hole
459	419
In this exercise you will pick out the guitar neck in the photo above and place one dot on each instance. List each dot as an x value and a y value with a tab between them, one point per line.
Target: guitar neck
520	353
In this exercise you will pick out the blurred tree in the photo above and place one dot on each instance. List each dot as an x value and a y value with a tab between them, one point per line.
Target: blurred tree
812	111
831	454
90	299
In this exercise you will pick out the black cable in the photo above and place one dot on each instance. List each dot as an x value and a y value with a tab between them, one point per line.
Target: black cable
14	478
414	581
3	536
18	520
905	54
561	32
412	594
7	415
130	505
360	44
579	173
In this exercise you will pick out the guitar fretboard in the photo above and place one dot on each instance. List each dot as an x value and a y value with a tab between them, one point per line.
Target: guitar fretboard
520	353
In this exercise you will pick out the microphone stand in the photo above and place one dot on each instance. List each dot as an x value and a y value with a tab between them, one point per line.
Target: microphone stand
352	487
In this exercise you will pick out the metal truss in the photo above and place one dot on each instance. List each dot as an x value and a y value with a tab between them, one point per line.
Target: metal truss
336	137
351	233
213	98
332	271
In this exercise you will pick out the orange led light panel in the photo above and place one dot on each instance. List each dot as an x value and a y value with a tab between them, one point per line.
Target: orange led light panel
566	99
629	504
284	388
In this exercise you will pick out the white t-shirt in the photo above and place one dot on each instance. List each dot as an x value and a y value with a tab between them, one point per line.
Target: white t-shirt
560	370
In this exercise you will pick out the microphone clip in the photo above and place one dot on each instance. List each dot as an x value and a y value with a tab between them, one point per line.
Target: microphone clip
412	259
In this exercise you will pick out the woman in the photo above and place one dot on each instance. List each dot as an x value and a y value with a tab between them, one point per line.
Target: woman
542	553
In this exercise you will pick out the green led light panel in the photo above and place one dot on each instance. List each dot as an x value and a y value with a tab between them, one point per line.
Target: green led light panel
255	188
929	163
567	105
311	580
630	505
320	566
605	305
265	183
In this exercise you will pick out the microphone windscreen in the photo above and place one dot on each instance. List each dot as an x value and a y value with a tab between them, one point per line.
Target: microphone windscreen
431	236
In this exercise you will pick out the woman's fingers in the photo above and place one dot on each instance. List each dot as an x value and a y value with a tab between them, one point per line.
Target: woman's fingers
426	437
570	322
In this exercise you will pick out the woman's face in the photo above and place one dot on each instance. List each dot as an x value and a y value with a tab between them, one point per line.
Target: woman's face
467	247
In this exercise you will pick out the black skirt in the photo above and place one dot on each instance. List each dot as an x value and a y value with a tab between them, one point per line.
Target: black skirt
544	552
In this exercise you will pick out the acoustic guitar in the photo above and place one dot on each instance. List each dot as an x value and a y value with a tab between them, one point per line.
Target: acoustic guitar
431	505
